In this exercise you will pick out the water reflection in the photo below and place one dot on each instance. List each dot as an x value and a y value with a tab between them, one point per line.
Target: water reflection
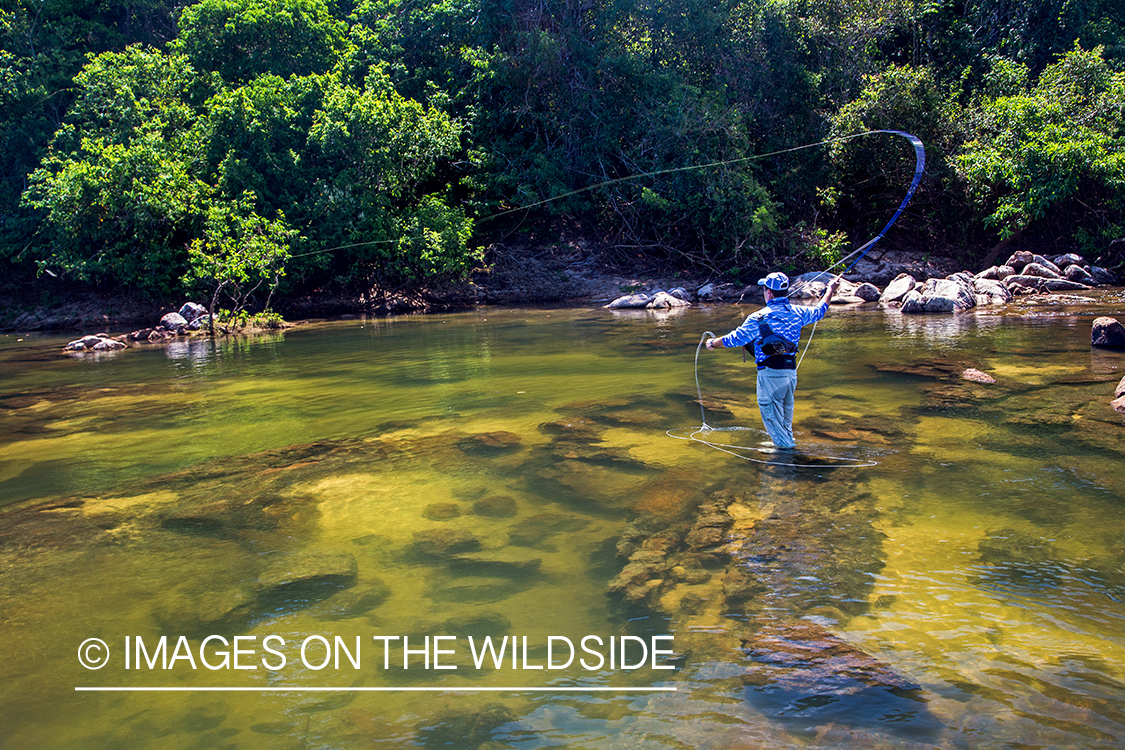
941	330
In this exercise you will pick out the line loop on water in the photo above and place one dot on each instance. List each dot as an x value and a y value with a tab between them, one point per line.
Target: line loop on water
738	450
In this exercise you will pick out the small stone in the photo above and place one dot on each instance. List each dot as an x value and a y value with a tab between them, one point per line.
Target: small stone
977	376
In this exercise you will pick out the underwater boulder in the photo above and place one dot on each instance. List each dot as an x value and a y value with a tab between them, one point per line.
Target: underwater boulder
441	543
495	506
306	567
807	659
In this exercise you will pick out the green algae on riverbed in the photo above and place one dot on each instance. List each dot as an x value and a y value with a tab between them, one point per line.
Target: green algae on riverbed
508	474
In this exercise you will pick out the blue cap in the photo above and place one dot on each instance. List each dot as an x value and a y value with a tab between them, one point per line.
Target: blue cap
776	281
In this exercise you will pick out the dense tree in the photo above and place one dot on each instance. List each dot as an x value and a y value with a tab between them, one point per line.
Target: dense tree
297	143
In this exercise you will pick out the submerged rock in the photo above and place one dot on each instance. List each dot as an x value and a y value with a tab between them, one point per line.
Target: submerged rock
441	511
306	568
535	531
807	659
495	506
441	543
977	376
489	442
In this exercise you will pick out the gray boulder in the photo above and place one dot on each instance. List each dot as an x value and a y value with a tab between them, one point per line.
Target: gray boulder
1038	269
192	310
97	343
1075	272
897	290
955	293
664	301
1042	284
996	272
867	292
1103	276
1107	333
637	301
1120	390
913	302
1069	259
173	321
1062	285
991	292
1019	259
1046	264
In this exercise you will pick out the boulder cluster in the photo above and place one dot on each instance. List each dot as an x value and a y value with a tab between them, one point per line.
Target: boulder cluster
1026	273
191	317
659	300
99	342
1023	273
911	291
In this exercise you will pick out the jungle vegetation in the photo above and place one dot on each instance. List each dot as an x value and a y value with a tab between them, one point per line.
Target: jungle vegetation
290	145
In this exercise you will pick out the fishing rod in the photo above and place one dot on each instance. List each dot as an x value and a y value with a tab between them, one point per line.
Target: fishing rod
860	252
919	169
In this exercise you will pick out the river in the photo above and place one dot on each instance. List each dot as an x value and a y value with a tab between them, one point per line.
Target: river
323	537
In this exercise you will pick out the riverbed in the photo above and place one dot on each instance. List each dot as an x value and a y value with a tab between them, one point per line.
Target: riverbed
323	537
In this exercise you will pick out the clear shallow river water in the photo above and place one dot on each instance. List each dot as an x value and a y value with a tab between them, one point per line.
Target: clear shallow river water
509	474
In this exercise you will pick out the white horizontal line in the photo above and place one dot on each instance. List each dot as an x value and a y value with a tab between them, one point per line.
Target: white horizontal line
373	689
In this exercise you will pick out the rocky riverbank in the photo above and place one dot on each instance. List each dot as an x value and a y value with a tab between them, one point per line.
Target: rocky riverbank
578	274
909	287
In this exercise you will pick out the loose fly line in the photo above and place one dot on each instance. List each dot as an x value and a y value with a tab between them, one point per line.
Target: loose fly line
672	170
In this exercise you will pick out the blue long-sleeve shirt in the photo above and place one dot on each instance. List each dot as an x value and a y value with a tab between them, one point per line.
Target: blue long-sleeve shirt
784	318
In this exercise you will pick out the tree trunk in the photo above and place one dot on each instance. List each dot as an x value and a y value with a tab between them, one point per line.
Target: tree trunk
990	259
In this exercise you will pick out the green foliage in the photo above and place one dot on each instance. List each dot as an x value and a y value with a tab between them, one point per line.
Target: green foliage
387	142
1050	151
239	252
242	39
871	174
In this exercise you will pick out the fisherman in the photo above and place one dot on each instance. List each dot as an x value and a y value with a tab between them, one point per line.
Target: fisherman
774	332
